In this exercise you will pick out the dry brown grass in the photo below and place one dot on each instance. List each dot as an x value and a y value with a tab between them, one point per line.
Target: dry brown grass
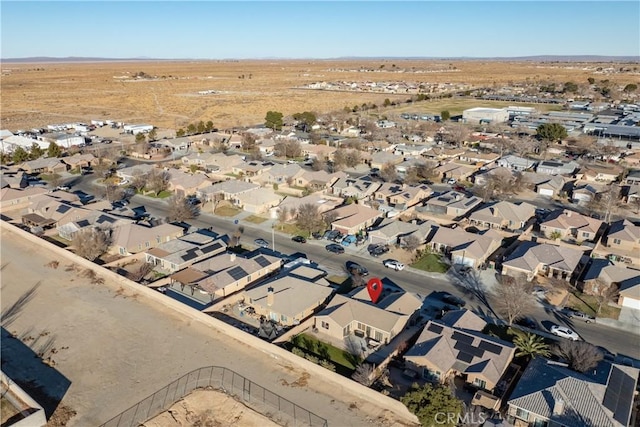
40	94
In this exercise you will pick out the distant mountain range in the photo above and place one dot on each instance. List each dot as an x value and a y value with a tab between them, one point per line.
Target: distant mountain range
537	58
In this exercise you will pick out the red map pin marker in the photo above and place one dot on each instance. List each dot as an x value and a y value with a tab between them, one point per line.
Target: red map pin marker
374	287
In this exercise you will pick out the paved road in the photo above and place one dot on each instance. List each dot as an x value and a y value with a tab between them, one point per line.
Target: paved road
615	340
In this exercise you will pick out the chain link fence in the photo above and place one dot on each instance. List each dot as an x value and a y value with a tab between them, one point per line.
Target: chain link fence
259	398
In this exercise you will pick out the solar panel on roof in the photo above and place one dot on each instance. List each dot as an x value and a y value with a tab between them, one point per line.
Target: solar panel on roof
211	248
262	261
469	349
237	273
106	219
83	223
490	347
618	395
63	208
436	329
465	357
189	255
467	339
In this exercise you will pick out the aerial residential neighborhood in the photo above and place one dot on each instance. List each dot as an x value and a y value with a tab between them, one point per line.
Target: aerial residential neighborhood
394	239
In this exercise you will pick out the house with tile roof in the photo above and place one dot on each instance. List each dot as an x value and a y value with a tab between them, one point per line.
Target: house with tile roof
18	198
186	250
280	174
532	259
621	242
392	231
132	238
318	180
464	248
401	196
216	163
456	346
258	201
603	273
353	218
226	273
455	170
359	188
569	225
287	300
184	184
44	165
503	215
451	203
230	190
549	393
346	316
79	161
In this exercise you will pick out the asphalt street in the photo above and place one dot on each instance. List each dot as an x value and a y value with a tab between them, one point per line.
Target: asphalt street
614	339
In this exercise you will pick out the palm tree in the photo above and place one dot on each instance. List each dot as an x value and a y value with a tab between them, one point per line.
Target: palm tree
530	345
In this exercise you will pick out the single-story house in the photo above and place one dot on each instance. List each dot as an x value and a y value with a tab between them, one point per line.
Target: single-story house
128	173
456	346
359	188
551	167
455	170
516	163
549	393
318	180
532	259
230	190
186	250
464	248
130	239
600	173
503	215
80	161
393	231
184	184
451	203
353	218
324	203
258	201
44	165
566	224
287	300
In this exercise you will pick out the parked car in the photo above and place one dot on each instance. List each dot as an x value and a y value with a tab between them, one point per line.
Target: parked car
395	264
63	188
574	314
378	250
335	248
316	235
299	239
452	299
451	181
355	268
564	332
262	243
348	239
527	322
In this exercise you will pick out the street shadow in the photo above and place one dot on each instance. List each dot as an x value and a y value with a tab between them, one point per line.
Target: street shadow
471	285
25	367
11	313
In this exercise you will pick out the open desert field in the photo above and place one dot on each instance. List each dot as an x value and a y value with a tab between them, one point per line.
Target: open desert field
34	95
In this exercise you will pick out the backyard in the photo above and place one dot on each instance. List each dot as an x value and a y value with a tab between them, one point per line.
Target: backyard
341	358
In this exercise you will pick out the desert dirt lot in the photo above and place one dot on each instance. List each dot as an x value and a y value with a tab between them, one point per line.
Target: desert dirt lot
34	95
107	348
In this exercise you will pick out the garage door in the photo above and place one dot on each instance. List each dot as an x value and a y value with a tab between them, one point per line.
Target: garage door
631	303
458	260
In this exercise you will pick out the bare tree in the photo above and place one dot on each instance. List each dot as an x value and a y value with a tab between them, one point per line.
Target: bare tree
102	167
138	179
329	218
339	158
180	209
581	356
353	158
457	133
237	234
91	243
606	203
513	297
157	180
113	192
388	172
283	215
309	218
411	243
248	142
318	164
364	374
139	273
604	293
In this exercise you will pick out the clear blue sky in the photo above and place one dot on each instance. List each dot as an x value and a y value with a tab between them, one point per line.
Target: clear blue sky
327	29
